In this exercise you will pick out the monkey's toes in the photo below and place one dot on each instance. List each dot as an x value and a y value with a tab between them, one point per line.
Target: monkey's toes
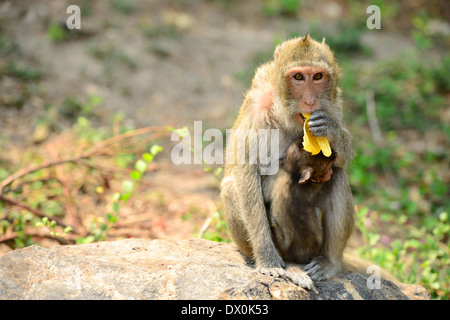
300	279
319	269
273	272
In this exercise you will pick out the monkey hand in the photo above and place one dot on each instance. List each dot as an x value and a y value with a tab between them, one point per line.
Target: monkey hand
321	124
321	268
314	139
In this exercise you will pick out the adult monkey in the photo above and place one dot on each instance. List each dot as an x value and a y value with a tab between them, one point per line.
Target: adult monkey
302	78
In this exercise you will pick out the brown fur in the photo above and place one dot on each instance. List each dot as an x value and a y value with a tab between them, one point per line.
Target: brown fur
243	187
295	222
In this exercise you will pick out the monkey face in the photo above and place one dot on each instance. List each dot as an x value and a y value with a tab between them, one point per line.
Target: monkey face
307	84
308	75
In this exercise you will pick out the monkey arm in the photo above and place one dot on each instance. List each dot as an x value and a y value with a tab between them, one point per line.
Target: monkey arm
254	216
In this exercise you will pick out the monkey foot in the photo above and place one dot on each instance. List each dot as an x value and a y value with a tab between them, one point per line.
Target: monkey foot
321	268
273	272
299	277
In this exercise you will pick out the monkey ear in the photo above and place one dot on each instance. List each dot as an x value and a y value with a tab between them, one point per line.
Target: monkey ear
306	175
277	50
306	37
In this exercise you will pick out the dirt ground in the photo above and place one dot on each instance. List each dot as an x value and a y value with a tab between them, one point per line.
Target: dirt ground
184	71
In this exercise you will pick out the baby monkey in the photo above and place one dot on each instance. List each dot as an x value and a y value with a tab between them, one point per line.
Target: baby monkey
295	221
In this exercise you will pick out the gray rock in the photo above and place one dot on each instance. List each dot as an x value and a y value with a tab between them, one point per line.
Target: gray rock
166	269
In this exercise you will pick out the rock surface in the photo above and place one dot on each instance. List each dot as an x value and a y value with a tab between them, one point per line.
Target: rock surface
165	269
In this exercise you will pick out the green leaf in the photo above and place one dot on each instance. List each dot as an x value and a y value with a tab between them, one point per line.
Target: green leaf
182	132
147	157
112	218
68	229
141	166
154	150
127	186
125	197
135	175
218	171
116	196
87	239
95	100
412	243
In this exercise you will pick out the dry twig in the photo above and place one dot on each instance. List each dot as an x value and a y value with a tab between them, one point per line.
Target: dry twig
372	116
98	149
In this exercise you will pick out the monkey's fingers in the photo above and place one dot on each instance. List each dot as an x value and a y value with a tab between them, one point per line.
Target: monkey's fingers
312	143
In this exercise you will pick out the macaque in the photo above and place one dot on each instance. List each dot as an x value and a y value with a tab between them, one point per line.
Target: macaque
290	195
302	78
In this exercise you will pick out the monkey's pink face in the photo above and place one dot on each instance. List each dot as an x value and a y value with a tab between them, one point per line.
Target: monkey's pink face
307	85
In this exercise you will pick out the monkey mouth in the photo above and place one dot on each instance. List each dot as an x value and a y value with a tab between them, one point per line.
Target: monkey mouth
300	118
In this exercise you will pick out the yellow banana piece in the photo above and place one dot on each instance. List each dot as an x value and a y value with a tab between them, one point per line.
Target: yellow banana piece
314	144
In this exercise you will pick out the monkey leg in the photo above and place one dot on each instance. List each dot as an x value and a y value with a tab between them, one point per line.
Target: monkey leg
246	217
336	202
232	211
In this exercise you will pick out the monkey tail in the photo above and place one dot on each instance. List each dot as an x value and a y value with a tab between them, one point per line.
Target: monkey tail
354	263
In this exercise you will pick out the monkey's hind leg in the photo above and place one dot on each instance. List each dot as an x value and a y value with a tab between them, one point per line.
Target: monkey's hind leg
231	210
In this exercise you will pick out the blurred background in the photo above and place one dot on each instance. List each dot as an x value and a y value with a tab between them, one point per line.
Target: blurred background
86	118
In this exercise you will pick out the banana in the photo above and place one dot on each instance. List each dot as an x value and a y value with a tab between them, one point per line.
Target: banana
314	144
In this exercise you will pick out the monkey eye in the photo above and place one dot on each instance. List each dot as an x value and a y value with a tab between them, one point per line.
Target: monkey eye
299	76
317	76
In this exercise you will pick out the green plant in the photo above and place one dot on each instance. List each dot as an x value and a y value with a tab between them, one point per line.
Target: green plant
71	108
420	33
217	219
219	232
281	7
50	225
22	71
423	257
56	32
408	94
100	226
42	193
123	6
